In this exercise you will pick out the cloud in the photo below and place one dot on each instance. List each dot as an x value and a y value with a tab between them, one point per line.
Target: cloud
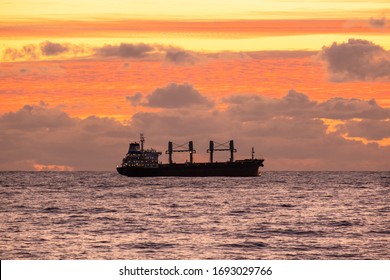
378	22
280	54
35	117
44	50
49	48
179	123
345	109
177	96
38	137
134	99
63	50
27	52
52	49
298	105
295	138
180	57
125	50
368	129
356	60
295	142
141	50
289	132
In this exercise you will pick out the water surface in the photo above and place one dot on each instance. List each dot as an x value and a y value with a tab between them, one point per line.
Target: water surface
281	215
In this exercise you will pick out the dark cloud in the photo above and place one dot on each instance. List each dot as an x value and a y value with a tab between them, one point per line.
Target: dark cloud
177	96
356	60
134	99
378	22
51	49
180	57
125	50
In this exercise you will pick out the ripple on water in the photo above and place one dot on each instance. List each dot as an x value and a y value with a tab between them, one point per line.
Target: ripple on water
281	215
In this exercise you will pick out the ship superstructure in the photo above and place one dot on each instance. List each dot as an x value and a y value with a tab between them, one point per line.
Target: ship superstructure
137	157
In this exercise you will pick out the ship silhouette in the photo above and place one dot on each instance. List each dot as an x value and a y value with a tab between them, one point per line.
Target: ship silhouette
140	162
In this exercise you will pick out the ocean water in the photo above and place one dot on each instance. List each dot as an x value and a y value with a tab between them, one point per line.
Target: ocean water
281	215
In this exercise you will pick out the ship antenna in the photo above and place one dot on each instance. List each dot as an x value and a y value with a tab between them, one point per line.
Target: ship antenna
142	139
253	153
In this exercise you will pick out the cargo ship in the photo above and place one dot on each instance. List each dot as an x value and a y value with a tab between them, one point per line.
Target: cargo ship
140	162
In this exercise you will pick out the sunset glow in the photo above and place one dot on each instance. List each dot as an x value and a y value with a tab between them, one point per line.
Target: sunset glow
93	67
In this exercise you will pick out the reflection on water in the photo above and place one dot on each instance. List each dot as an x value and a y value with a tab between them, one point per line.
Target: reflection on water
281	215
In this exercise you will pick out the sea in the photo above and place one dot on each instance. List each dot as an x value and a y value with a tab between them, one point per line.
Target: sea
278	216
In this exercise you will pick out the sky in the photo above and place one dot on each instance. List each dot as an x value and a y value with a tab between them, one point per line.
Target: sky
307	83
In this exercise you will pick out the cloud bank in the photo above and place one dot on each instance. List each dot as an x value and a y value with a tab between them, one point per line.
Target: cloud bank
44	50
48	49
298	105
37	137
290	132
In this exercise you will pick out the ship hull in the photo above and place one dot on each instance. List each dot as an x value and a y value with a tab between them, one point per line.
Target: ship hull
245	168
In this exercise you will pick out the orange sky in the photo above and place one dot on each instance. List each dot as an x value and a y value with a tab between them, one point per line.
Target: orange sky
90	87
91	59
236	28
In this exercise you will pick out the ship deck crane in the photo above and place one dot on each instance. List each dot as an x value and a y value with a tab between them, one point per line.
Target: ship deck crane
179	149
227	146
